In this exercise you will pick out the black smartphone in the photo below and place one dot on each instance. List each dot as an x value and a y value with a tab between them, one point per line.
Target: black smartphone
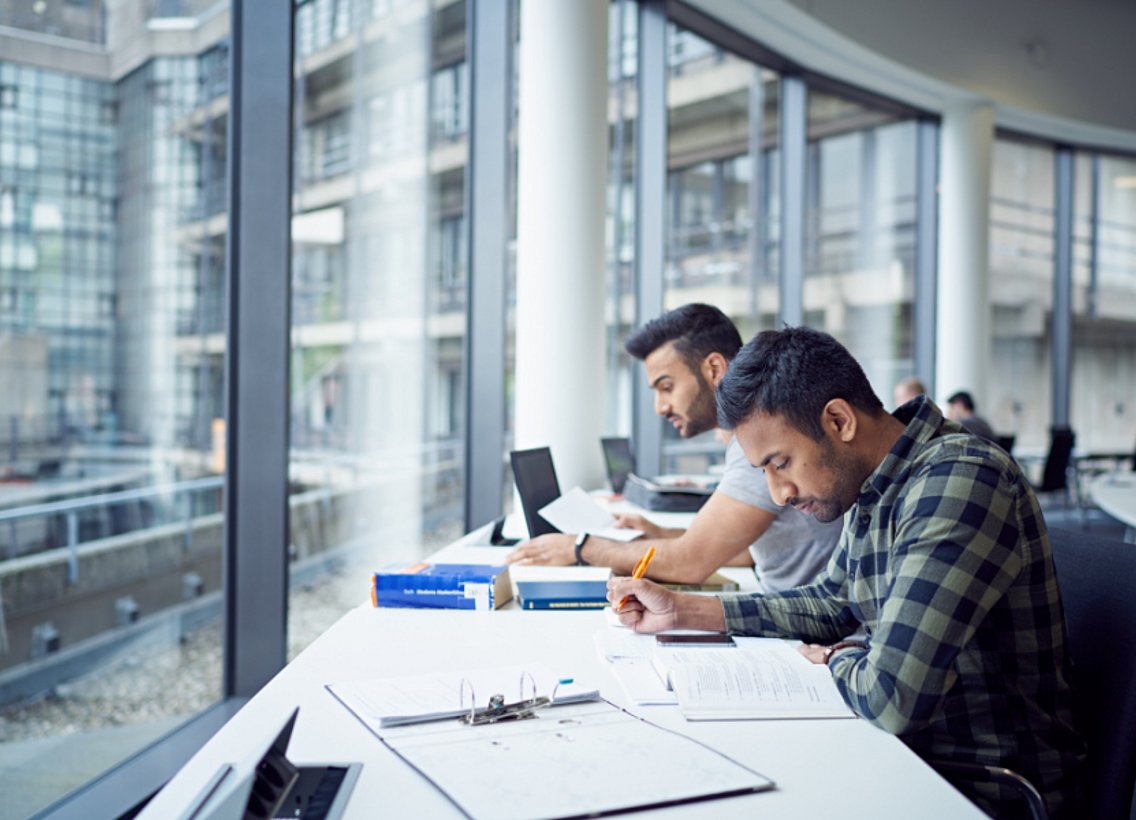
713	639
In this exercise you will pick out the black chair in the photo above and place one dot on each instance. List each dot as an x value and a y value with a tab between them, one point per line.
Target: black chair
1096	577
1055	474
1006	442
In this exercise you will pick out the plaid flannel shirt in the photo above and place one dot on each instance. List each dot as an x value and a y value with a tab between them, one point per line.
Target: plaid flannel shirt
946	562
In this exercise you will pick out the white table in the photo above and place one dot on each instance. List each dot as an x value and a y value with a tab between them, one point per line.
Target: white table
817	764
1115	493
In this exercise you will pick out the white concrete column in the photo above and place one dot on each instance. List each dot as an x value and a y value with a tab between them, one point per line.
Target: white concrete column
561	201
963	348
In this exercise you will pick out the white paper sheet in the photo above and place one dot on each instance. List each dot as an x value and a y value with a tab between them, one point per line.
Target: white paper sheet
576	511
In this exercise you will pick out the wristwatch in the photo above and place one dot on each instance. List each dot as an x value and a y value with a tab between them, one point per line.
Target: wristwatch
581	539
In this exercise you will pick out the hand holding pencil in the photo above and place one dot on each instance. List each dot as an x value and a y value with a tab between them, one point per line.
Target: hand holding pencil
640	568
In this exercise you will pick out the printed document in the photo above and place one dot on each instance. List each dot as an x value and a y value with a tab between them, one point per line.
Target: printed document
764	678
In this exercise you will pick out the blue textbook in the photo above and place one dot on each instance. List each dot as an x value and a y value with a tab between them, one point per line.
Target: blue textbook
562	594
441	586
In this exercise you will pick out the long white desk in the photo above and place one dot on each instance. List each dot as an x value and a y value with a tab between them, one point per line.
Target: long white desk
1115	493
820	766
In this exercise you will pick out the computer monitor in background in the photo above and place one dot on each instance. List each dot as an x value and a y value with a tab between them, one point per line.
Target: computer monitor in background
619	461
537	486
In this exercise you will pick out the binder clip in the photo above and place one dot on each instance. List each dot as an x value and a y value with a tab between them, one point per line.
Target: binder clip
497	710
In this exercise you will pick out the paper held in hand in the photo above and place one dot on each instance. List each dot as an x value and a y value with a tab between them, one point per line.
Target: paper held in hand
576	511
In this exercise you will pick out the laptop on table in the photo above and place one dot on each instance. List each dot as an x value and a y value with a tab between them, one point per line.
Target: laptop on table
619	461
536	485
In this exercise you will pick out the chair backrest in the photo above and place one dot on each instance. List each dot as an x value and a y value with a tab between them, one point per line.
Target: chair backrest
1096	578
1006	442
1061	441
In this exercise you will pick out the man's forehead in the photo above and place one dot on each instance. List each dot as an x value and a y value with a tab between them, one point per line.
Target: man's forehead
763	434
663	358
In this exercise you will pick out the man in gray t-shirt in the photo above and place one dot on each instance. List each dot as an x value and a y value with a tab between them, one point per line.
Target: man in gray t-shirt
686	352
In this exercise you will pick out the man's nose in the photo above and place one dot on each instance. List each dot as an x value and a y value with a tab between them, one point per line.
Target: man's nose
661	406
781	490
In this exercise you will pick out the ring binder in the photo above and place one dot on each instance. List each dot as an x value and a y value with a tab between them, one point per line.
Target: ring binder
497	710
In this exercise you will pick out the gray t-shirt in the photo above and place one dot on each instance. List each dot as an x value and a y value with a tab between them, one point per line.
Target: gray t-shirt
796	546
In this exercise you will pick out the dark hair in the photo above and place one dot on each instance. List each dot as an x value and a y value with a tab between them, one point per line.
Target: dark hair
964	398
793	373
696	330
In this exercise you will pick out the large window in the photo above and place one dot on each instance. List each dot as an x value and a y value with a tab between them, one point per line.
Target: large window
110	395
860	233
1021	291
379	281
1103	410
722	205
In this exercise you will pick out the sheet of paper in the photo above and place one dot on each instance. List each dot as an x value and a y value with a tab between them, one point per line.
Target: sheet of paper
641	682
763	678
612	644
576	511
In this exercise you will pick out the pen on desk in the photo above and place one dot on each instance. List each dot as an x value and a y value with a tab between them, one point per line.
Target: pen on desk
640	568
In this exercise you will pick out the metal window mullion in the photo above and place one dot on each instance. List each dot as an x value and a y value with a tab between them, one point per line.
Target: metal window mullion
257	346
1062	333
1094	237
490	73
756	235
794	115
650	214
926	250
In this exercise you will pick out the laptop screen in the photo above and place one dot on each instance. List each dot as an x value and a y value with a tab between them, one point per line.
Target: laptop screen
536	485
619	461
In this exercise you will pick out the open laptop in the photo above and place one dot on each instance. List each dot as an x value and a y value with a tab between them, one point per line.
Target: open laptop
619	461
537	486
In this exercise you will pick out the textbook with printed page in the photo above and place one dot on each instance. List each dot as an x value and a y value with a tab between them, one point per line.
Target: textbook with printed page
441	586
764	679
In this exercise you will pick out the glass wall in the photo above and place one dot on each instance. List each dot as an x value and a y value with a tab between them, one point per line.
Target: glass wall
1102	407
111	369
722	201
379	278
860	233
1021	293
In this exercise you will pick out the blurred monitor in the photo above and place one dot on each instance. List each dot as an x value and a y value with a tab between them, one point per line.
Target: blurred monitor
619	461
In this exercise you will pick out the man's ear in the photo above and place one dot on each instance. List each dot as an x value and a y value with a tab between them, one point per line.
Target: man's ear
839	420
714	367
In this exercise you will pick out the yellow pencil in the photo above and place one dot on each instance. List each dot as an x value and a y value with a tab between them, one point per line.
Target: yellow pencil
640	568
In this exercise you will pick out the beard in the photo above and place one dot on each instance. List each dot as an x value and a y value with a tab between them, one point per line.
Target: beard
703	413
845	487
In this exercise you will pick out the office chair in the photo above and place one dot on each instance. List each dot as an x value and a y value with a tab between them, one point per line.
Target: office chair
1006	442
1095	576
1055	474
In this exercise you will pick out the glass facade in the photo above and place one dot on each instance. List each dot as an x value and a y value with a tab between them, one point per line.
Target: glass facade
722	199
113	236
111	377
860	233
1021	292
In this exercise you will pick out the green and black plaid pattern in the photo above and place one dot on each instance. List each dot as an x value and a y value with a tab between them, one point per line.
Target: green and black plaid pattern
946	562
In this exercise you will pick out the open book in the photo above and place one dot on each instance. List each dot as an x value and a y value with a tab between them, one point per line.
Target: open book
763	678
385	702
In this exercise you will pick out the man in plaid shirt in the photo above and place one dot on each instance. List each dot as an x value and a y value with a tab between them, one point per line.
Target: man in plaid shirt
944	561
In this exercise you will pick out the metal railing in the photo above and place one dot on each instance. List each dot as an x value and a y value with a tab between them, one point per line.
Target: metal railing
71	509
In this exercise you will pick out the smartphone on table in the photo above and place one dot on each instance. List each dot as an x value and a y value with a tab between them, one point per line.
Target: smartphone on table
709	639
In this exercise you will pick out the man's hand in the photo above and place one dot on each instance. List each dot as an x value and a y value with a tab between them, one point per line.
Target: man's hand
815	652
556	549
633	521
650	607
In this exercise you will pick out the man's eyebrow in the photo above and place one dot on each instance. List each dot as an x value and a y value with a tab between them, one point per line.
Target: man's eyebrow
767	459
655	383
